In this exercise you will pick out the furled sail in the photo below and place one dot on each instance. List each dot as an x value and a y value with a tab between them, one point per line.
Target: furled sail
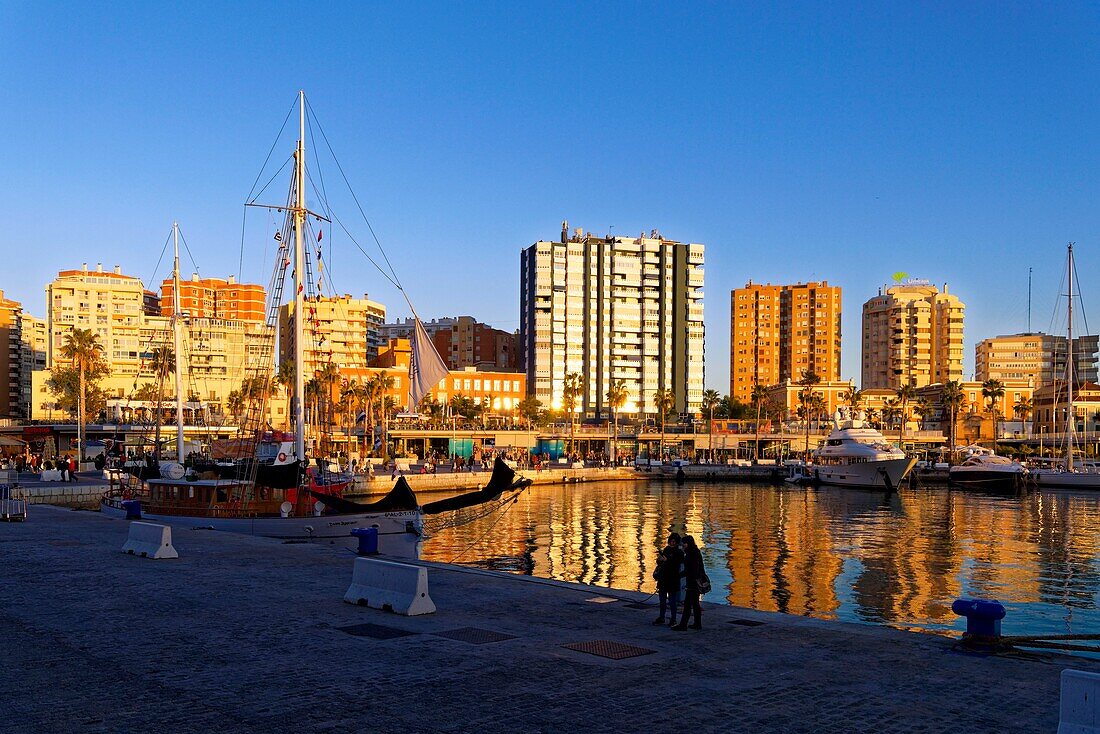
426	367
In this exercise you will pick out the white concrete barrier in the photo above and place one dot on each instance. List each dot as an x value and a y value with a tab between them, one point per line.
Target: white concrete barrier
1079	712
50	475
149	540
399	587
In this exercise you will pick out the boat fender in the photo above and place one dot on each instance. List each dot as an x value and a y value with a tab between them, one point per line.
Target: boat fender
282	456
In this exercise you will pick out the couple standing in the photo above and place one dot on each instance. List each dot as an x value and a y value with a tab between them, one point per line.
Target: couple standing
673	564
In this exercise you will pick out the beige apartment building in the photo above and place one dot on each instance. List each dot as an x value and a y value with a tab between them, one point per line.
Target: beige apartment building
613	309
1035	357
340	330
912	334
779	331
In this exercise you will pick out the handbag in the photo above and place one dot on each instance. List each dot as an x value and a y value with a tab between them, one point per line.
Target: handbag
704	584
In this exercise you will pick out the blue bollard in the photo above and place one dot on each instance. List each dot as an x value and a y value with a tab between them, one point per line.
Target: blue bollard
133	509
983	619
368	540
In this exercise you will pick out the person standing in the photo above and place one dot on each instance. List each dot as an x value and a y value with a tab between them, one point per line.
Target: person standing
693	574
72	469
667	573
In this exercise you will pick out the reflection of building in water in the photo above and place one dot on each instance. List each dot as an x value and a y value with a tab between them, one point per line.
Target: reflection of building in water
834	553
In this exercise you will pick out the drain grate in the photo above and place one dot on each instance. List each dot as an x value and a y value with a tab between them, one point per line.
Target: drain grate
746	622
474	635
609	649
637	605
376	631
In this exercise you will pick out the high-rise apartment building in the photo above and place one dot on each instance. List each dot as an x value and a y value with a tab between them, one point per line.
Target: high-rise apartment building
11	358
215	298
613	309
912	334
1037	358
340	330
779	331
463	342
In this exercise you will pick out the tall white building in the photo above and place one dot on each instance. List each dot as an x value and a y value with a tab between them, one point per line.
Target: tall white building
613	308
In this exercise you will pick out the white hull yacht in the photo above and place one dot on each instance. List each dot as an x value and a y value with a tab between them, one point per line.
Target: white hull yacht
856	455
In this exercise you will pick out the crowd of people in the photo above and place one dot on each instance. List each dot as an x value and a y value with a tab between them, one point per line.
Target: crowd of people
35	463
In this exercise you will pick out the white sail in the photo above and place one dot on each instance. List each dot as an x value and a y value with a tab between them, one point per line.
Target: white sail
426	367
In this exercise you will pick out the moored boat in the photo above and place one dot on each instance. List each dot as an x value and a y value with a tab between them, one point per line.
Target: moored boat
983	469
857	455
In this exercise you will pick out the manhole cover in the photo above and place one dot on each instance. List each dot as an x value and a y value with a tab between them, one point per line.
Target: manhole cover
746	622
602	600
474	636
609	649
637	605
376	631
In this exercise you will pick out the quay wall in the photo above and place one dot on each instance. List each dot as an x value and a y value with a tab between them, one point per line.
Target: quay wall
64	494
476	480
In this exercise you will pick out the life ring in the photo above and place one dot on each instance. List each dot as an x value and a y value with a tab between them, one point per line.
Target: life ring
282	456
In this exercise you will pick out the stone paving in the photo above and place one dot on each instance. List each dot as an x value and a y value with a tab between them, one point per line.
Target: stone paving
243	634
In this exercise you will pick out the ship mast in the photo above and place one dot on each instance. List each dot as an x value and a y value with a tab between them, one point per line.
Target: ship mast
1071	419
177	339
299	281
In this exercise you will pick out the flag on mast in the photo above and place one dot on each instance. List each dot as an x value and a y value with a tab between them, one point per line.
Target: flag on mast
426	367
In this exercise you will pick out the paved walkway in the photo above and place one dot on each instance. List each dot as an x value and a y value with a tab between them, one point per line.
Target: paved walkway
244	634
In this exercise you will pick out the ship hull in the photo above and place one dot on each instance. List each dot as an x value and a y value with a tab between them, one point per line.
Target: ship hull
986	479
1065	480
885	474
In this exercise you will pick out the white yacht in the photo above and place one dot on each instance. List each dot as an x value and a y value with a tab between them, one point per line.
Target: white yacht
857	455
984	469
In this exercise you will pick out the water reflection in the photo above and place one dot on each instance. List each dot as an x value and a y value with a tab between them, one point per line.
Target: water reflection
897	559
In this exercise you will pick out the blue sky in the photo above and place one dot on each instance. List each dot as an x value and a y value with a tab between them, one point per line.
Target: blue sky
955	142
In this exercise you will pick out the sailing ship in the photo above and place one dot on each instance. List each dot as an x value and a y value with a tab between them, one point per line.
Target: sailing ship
1070	474
266	489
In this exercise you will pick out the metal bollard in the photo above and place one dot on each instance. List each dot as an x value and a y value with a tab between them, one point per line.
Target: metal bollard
368	541
983	620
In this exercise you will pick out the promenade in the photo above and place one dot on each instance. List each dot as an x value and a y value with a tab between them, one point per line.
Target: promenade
250	634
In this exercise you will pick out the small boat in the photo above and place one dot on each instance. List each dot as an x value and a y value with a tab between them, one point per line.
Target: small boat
799	473
983	469
857	455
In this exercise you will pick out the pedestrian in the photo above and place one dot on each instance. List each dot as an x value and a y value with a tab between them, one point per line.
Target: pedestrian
693	576
669	564
72	469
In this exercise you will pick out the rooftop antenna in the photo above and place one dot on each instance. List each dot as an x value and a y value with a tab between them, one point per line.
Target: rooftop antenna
1029	300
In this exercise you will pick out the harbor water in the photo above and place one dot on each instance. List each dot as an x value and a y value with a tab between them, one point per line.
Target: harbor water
896	559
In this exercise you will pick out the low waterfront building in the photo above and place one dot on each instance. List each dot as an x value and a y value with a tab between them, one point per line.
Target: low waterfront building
1050	409
1035	357
975	421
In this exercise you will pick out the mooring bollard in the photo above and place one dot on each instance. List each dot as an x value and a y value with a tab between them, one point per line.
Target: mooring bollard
983	620
133	509
368	541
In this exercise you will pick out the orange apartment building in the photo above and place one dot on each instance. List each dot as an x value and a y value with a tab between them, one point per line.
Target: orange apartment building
215	298
779	331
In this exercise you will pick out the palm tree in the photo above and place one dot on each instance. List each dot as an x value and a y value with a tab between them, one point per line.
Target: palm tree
993	391
82	347
872	415
905	393
710	401
891	410
759	396
571	390
664	400
327	378
616	398
807	381
284	376
923	408
234	403
953	399
853	398
1023	408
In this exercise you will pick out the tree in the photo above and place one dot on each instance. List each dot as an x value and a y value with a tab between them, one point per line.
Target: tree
83	349
571	390
953	398
1023	408
891	411
923	408
284	377
853	398
529	409
234	403
616	398
807	381
993	391
664	400
146	393
710	401
759	396
905	393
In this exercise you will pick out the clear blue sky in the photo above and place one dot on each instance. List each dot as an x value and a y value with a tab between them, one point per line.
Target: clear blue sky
955	142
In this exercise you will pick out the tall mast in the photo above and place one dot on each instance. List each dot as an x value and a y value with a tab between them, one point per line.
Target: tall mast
299	282
1071	419
177	338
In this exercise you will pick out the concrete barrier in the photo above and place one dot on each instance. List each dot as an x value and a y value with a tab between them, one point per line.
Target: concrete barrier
398	587
1079	712
149	540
